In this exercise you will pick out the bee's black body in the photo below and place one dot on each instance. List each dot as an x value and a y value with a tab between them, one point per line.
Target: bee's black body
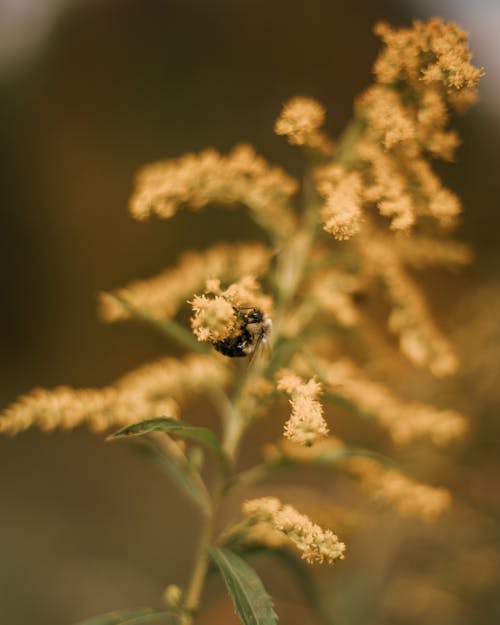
254	326
235	347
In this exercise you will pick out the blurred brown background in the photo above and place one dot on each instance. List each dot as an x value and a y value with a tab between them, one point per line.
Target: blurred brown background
90	91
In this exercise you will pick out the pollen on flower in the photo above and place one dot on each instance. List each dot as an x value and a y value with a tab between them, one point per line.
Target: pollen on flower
306	423
216	313
247	292
300	121
316	544
214	319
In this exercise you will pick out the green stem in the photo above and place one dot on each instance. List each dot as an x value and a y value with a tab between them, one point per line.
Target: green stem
196	583
289	274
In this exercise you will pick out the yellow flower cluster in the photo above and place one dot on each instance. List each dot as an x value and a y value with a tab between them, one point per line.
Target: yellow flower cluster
380	165
315	543
245	292
306	423
387	187
216	317
262	533
432	53
67	408
405	422
163	294
423	74
177	377
196	180
342	190
149	391
388	120
419	338
300	121
332	291
389	486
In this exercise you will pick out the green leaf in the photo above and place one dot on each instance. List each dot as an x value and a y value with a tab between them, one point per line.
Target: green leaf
166	326
252	603
173	426
133	616
297	567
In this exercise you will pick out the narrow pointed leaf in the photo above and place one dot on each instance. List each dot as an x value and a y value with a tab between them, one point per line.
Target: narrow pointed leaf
173	426
121	617
300	571
252	603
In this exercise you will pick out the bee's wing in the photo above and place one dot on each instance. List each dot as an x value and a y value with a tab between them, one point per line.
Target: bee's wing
259	346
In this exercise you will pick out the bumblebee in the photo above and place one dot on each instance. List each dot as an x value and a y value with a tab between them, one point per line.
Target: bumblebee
254	329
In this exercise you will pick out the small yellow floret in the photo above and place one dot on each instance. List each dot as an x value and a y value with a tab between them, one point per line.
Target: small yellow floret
315	543
306	423
214	318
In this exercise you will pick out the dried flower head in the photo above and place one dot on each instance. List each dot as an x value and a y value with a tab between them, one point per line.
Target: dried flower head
315	543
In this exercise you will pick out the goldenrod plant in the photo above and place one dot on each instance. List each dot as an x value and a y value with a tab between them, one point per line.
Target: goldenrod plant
277	322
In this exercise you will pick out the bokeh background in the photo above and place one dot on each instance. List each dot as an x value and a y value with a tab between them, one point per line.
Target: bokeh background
89	91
